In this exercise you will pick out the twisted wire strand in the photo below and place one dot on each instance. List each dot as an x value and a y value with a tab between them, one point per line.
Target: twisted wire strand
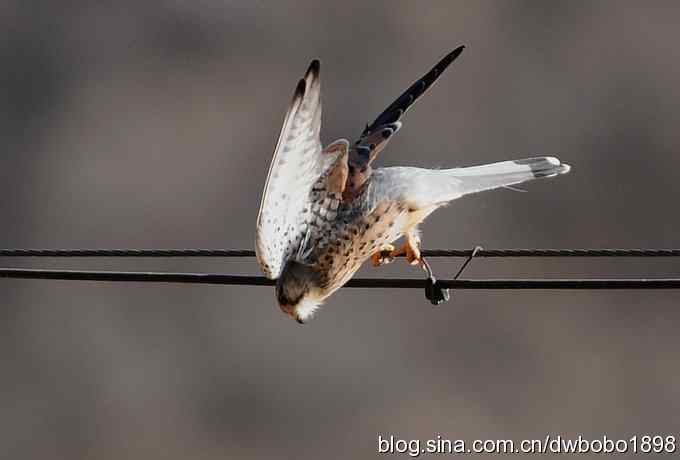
427	253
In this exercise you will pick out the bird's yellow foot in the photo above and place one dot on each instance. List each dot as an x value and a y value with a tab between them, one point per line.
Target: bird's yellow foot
384	255
411	250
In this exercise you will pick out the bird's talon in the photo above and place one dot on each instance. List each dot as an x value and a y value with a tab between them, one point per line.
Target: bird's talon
384	256
412	254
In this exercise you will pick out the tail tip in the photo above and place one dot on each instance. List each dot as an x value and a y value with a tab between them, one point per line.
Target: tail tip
545	166
560	168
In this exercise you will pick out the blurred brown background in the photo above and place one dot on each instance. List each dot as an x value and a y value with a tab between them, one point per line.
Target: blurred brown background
151	124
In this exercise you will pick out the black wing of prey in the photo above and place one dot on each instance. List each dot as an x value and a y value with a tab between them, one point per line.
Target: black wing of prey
375	136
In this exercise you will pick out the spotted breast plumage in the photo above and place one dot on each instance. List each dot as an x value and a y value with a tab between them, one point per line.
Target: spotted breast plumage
325	211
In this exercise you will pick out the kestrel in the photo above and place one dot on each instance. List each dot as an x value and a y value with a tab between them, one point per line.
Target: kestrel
325	211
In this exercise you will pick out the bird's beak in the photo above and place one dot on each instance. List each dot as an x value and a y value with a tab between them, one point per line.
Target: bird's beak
290	311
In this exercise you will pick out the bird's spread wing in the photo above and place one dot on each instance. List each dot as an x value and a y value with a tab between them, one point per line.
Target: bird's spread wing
297	163
376	135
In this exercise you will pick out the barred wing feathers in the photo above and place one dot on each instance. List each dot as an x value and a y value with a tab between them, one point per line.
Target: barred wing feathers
376	135
296	165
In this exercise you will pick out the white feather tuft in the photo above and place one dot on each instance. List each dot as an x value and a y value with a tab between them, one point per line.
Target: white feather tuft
306	308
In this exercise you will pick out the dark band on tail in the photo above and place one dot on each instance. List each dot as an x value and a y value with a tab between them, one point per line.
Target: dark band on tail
544	166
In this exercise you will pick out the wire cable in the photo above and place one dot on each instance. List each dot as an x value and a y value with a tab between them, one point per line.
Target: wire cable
426	253
398	283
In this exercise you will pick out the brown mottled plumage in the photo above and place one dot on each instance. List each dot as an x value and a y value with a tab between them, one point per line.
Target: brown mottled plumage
324	212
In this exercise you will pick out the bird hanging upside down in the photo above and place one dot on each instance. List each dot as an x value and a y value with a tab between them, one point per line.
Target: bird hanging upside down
325	211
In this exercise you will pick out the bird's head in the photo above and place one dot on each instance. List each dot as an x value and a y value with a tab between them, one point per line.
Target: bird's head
298	292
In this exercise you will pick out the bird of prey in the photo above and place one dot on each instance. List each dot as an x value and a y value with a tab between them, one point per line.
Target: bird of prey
326	210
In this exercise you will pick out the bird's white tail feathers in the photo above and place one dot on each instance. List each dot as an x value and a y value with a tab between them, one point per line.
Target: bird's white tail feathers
505	173
423	188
